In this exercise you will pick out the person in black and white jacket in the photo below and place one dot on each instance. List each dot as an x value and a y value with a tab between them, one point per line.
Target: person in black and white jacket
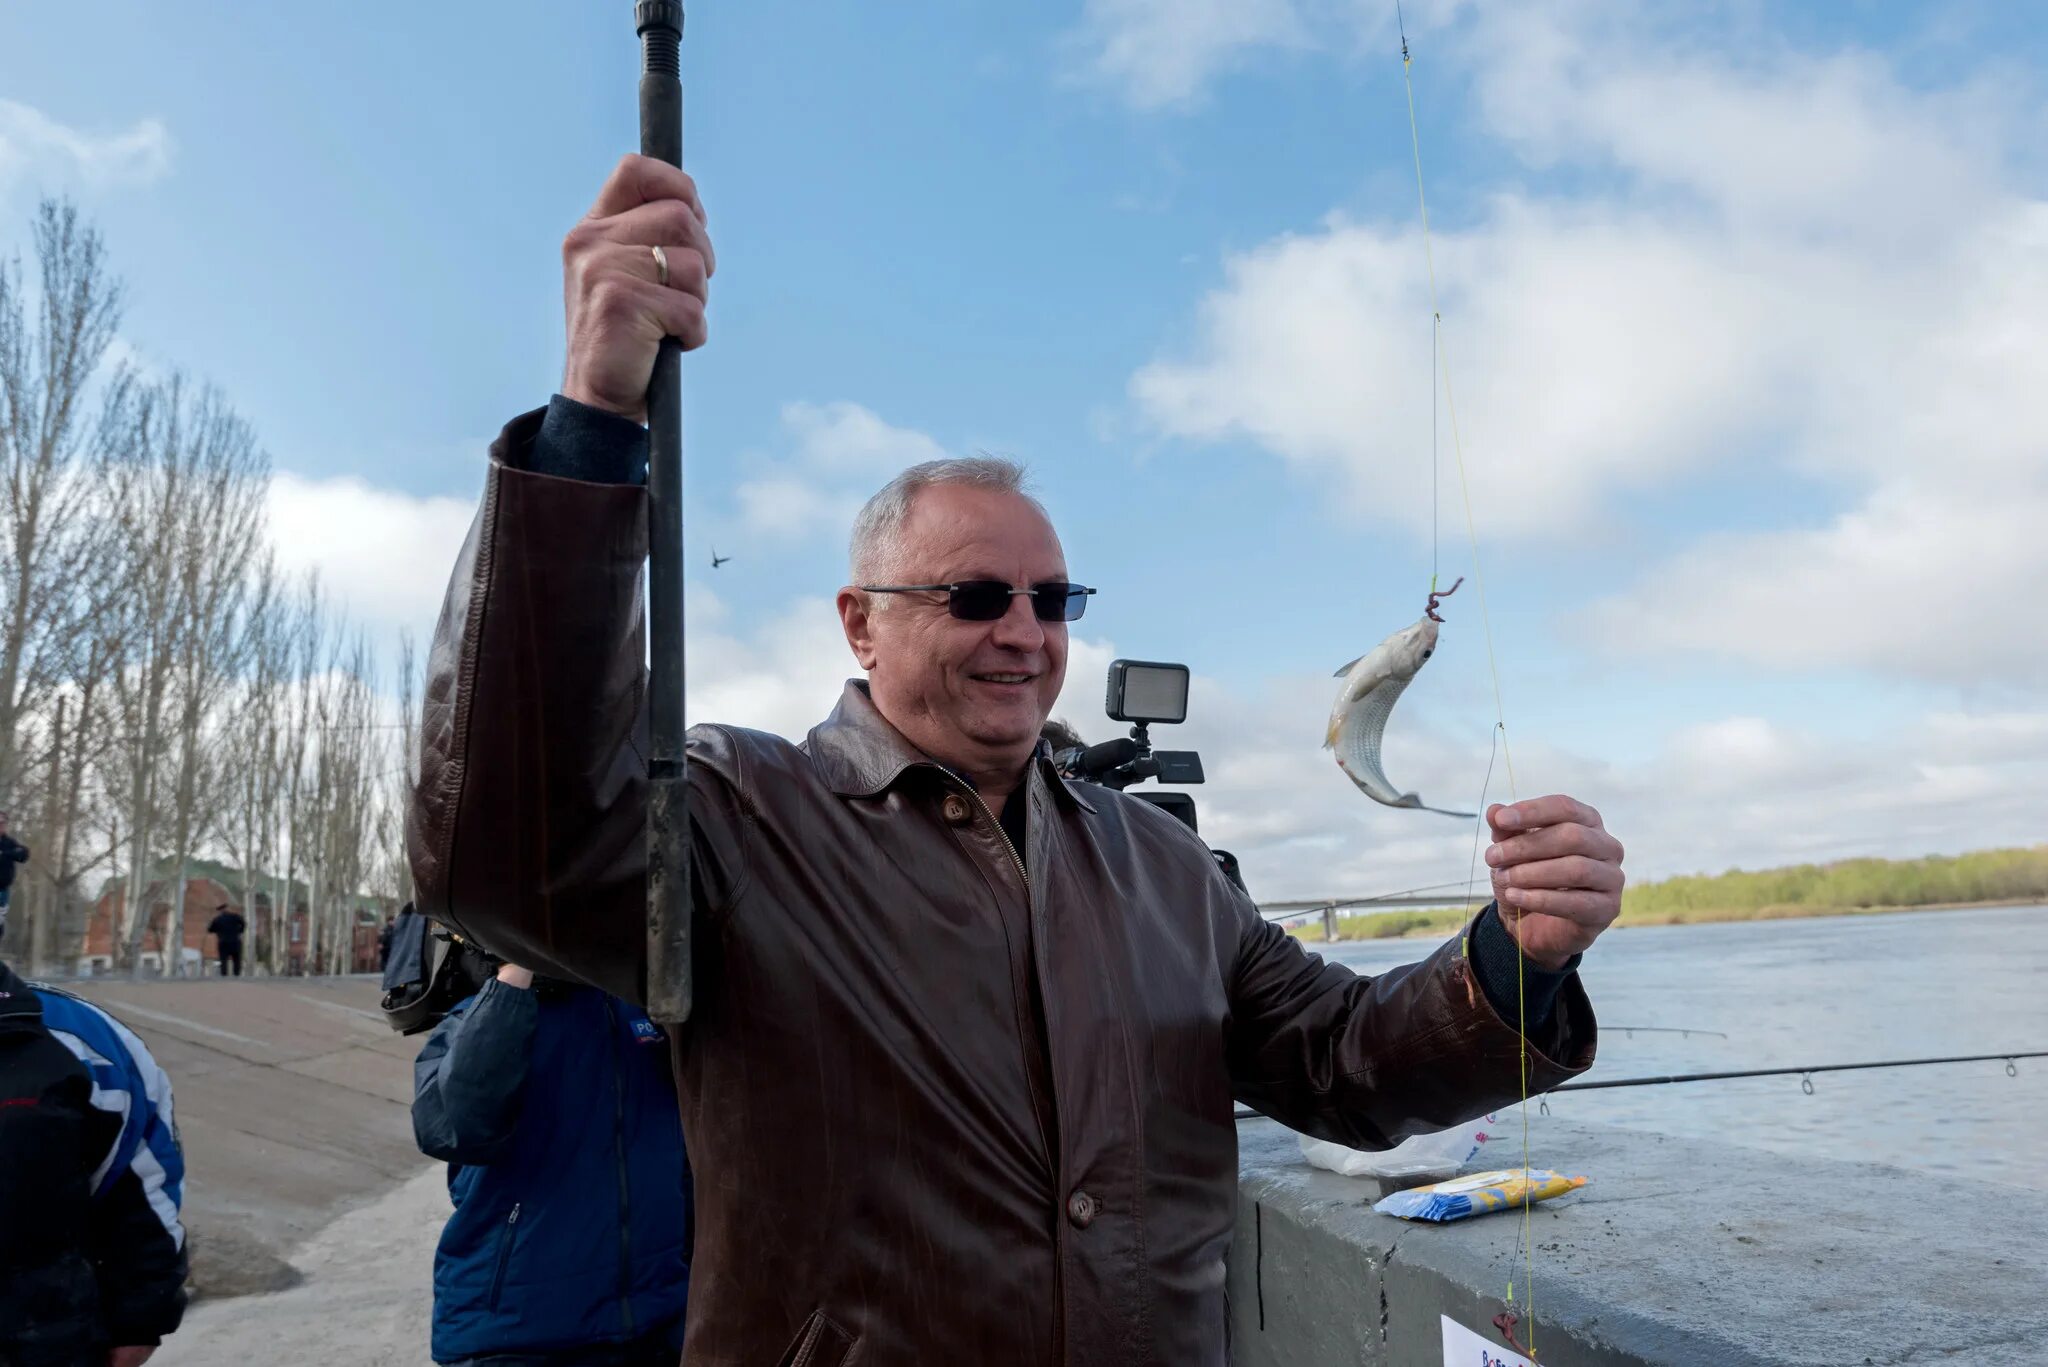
92	1250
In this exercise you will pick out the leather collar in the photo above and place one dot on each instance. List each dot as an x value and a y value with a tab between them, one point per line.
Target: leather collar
859	754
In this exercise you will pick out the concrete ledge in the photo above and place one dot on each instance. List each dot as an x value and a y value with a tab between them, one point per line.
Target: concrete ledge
1677	1252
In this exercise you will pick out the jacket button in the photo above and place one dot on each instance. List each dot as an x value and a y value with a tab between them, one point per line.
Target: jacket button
956	810
1081	1209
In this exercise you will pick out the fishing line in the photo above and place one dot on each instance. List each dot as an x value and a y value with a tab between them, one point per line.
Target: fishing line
1472	869
1440	363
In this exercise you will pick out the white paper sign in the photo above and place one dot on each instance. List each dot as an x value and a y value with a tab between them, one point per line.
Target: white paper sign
1463	1348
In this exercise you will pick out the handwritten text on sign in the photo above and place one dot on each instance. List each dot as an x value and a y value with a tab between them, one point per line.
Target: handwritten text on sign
1463	1348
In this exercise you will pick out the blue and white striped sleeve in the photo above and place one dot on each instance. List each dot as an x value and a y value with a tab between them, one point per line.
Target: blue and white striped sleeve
139	1184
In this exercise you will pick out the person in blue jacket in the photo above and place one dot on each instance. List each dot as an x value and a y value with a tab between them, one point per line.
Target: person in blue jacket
554	1107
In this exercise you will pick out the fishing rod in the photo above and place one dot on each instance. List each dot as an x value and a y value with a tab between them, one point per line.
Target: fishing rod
659	25
1633	1030
2010	1059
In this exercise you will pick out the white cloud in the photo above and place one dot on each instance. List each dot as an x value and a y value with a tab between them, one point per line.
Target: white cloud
124	354
1163	52
382	554
33	145
845	437
1760	136
790	506
838	454
782	675
1745	791
1921	581
1793	259
1571	376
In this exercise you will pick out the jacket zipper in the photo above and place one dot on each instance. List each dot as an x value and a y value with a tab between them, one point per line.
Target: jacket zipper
504	1255
1004	836
619	1155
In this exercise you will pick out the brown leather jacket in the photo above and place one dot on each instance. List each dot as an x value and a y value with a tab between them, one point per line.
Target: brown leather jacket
945	1105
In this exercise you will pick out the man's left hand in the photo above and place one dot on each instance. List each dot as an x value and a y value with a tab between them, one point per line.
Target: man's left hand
1556	875
134	1355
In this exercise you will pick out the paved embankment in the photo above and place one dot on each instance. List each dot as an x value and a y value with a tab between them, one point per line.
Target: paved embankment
364	1301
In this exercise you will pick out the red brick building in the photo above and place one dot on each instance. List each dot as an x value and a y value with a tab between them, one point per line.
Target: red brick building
196	951
203	899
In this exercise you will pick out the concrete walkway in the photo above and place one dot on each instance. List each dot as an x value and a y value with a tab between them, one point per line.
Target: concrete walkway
364	1302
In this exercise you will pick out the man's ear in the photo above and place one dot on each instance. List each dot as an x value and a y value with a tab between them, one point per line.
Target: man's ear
856	617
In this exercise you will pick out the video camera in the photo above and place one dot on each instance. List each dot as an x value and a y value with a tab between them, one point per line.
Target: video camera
1145	693
430	969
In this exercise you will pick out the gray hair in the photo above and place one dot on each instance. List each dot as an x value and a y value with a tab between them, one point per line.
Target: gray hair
876	550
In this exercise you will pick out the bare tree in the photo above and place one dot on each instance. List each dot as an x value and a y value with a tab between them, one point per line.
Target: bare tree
310	650
79	750
47	369
253	783
395	877
221	536
189	461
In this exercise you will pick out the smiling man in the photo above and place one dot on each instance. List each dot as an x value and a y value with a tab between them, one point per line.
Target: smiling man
959	1083
970	669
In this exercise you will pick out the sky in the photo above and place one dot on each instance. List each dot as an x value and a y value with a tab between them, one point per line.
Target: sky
1745	324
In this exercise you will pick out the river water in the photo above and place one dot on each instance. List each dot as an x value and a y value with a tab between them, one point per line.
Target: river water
1828	990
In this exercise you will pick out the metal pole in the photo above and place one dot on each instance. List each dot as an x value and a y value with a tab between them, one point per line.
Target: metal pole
659	24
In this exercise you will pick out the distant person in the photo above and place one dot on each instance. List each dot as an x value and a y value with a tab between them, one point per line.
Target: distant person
12	852
384	942
92	1254
569	1245
226	928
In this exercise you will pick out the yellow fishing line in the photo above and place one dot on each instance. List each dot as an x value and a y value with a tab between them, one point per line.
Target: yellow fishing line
1443	366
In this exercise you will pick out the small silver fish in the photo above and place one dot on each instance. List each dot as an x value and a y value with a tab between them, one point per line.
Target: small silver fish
1372	684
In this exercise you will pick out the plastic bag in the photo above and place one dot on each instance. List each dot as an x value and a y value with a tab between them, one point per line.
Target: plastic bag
1420	1158
1478	1194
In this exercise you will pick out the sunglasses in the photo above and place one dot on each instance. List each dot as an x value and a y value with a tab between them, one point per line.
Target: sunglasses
986	600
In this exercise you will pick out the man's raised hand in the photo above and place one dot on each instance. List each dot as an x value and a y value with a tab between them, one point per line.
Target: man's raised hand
615	303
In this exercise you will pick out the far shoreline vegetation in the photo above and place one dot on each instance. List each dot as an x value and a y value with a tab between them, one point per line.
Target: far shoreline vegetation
1848	887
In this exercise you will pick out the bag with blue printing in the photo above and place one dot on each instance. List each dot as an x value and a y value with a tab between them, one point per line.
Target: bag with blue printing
1478	1193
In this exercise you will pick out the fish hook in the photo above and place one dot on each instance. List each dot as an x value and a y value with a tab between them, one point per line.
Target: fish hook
1438	595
